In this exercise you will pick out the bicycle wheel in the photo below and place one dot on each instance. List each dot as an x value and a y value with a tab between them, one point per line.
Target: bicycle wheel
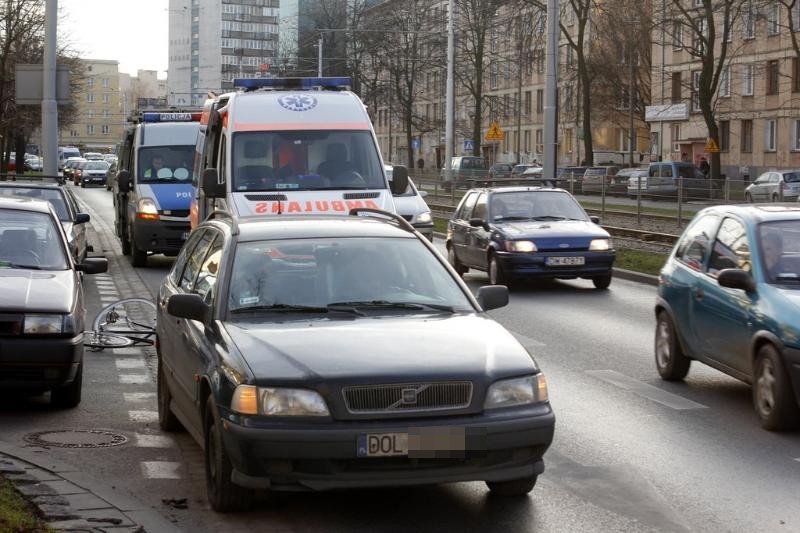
130	316
100	340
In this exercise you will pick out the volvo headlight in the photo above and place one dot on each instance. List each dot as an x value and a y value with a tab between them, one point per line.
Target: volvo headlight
424	218
517	391
43	324
600	245
520	246
250	400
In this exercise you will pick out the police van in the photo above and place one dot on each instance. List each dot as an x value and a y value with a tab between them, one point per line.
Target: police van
289	146
153	187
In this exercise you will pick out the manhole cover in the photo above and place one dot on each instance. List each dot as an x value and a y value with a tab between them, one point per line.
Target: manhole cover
76	438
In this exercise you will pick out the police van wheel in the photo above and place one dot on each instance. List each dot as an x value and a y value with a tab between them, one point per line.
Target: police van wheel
138	257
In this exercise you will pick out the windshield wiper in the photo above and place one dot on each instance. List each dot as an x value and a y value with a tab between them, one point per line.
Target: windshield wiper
384	304
6	264
511	218
787	278
334	188
549	217
288	308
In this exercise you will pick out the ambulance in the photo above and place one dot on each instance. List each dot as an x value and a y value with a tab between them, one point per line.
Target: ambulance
289	146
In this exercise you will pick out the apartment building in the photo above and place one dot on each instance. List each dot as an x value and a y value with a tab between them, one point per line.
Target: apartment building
99	123
142	90
514	86
757	103
211	42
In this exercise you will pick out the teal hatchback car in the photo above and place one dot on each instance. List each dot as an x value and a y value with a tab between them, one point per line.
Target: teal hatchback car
729	296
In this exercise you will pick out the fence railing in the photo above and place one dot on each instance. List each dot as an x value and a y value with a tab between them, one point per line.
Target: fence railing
682	195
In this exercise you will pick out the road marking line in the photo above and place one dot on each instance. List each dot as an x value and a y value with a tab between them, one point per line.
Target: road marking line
124	364
127	351
134	379
527	341
645	391
160	470
143	416
153	441
136	397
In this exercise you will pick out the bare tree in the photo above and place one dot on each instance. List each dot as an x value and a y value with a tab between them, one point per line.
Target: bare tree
703	28
475	20
621	56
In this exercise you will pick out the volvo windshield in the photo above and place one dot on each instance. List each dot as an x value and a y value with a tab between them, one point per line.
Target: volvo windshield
305	161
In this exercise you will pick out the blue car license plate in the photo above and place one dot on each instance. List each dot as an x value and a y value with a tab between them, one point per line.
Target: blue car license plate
565	261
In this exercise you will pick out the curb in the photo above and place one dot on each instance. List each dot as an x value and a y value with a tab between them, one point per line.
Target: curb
68	499
621	273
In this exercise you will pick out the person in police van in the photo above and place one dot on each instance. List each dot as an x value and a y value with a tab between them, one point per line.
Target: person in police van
155	165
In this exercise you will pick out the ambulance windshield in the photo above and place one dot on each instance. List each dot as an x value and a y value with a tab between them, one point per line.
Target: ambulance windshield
305	161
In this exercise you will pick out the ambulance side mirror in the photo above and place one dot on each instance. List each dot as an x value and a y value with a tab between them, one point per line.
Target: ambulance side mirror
211	186
399	182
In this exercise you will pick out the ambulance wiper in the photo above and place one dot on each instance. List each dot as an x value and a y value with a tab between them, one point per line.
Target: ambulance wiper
335	189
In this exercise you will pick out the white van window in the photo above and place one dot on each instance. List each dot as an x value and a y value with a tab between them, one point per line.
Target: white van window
165	164
305	160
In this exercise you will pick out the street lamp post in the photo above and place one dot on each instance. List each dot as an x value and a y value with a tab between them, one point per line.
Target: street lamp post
49	105
551	93
450	104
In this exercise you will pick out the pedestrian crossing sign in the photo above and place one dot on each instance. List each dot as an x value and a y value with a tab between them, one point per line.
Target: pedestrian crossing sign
495	133
711	146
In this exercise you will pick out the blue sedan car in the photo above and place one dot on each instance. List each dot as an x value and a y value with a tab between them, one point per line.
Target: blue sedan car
528	232
729	296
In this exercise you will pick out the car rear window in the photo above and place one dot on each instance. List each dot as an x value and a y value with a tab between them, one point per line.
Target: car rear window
791	177
30	240
54	196
473	162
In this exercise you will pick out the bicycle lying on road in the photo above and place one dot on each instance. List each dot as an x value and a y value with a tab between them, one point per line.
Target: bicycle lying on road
126	322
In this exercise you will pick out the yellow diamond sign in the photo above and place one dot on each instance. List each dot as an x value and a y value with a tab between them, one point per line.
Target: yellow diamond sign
495	133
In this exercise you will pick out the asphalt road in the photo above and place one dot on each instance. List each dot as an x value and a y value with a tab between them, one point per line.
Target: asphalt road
631	453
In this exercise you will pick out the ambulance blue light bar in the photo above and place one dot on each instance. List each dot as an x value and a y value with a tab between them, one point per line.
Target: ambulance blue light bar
171	117
251	84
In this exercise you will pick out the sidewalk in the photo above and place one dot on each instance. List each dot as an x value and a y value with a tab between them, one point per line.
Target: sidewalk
70	500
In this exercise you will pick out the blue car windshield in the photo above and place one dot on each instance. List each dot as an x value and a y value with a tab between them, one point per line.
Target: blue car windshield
780	252
535	205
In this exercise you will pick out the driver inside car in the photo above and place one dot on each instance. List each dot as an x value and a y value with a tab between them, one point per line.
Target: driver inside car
156	164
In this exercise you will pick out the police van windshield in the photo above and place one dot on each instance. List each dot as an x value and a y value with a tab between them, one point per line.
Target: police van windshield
165	164
305	160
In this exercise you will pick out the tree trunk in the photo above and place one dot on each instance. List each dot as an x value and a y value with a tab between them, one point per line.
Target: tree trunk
410	150
586	104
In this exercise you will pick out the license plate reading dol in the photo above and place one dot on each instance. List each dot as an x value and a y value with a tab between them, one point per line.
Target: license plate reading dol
565	261
382	444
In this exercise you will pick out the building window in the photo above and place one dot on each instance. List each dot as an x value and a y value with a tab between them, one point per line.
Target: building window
677	88
747	80
770	133
772	77
74	133
105	129
725	82
677	35
540	101
796	135
749	22
527	140
527	103
106	98
726	28
796	16
570	15
539	141
773	19
701	36
675	133
696	91
493	76
567	144
90	97
724	135
747	136
90	129
90	114
796	73
90	83
106	83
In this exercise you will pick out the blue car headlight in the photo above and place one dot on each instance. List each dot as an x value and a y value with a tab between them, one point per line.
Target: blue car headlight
520	246
600	245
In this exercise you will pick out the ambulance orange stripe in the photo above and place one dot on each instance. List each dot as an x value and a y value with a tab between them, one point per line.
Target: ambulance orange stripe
301	126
